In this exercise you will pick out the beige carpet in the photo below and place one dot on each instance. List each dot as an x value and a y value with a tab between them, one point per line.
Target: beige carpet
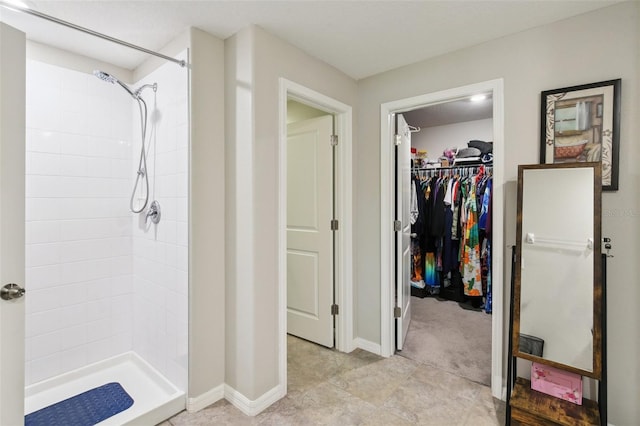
450	336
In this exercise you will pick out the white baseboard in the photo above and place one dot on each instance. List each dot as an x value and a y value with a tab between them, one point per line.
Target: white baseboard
241	402
206	399
498	388
255	407
367	345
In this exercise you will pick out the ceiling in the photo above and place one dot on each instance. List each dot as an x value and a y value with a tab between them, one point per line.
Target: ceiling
360	38
458	111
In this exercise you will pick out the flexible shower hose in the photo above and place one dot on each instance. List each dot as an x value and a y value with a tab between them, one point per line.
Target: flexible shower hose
142	162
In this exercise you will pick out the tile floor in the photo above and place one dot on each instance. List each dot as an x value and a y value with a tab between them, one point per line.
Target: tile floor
327	387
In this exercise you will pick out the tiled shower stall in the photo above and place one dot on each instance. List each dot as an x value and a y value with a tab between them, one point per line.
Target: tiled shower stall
103	281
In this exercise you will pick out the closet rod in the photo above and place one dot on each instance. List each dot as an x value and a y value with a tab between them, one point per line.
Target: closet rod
468	166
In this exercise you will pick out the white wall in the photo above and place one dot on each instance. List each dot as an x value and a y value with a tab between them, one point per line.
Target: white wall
207	221
73	61
528	65
255	60
435	140
160	251
78	230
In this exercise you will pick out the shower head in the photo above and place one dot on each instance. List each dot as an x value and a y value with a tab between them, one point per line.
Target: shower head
113	80
105	76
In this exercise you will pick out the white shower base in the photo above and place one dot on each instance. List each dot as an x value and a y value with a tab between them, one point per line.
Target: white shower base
155	398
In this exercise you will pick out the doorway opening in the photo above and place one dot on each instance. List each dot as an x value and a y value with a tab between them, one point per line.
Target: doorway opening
392	298
315	210
445	270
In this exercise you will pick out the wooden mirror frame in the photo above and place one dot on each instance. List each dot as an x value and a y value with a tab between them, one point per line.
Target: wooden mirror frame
597	272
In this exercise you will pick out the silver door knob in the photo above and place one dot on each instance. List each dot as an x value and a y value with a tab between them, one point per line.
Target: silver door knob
11	291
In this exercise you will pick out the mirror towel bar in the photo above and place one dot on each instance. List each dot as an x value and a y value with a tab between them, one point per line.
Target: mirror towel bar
531	238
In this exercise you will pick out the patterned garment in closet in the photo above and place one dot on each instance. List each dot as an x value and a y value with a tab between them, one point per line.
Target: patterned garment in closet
431	276
470	262
417	275
486	199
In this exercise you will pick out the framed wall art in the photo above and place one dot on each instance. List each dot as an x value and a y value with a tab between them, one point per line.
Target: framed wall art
582	124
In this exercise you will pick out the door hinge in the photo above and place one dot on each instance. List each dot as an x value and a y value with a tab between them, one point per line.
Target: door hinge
334	140
334	309
397	225
397	312
398	140
334	224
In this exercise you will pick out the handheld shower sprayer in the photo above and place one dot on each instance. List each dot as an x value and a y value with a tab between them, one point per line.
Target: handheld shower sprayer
142	164
105	76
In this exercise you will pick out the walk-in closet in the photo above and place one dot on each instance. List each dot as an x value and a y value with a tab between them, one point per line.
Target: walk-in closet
450	251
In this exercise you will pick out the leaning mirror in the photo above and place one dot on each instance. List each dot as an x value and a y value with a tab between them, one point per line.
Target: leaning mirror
557	292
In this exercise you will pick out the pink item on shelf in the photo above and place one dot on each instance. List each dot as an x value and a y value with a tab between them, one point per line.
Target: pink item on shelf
558	383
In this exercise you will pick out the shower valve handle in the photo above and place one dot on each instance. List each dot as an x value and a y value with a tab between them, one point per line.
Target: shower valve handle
154	212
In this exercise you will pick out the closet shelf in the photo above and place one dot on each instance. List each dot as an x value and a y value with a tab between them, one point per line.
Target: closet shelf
459	166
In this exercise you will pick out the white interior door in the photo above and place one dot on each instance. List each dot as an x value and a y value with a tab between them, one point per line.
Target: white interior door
309	235
12	223
403	242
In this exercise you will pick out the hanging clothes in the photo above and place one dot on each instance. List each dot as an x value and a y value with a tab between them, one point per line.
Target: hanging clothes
450	234
432	278
484	265
470	263
488	304
417	216
414	211
449	245
417	271
436	206
484	210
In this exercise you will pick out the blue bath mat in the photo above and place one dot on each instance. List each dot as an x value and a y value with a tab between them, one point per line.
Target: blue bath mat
86	409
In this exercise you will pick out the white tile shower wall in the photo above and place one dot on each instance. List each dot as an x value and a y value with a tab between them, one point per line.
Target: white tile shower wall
160	252
78	232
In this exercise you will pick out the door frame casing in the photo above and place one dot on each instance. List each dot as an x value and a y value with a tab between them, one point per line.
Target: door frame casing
387	288
343	291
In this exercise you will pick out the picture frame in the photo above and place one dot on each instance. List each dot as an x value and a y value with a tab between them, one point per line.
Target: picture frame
582	124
